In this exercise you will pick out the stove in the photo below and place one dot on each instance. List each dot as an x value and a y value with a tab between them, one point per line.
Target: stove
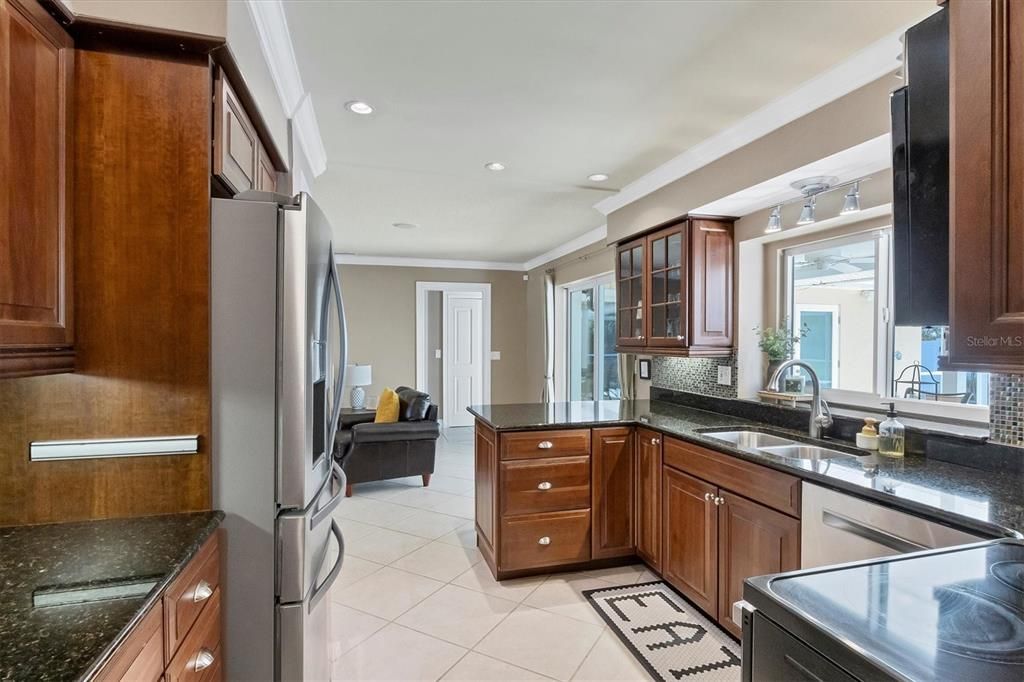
951	614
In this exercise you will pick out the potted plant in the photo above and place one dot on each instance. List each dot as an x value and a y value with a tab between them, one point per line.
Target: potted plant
778	344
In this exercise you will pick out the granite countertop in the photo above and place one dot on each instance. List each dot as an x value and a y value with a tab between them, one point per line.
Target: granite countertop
988	502
69	592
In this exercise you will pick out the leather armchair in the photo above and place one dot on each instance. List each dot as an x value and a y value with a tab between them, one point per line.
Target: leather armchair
376	452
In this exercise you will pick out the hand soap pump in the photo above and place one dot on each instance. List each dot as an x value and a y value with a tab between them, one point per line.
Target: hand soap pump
890	434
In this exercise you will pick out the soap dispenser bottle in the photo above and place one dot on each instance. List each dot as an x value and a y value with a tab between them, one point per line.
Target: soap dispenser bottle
890	434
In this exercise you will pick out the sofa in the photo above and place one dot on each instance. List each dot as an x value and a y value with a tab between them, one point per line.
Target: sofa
377	452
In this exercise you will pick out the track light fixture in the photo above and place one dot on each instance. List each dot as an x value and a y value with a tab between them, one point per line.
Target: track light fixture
774	220
851	202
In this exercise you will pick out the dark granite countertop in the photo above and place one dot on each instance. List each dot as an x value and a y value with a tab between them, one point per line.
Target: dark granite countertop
988	502
69	592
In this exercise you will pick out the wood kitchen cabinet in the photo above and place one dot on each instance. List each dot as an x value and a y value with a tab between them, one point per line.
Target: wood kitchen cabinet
36	279
613	489
752	540
675	289
648	497
240	160
986	185
690	556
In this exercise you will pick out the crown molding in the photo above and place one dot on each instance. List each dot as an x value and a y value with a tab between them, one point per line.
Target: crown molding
585	239
878	59
271	24
403	262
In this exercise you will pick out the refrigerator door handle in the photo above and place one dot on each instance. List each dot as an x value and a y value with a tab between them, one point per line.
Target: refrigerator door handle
338	475
339	381
320	590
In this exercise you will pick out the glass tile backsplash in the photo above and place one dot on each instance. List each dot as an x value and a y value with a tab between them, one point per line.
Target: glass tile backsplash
693	375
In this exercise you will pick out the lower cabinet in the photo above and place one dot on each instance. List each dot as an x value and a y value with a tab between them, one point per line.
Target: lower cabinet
180	637
690	557
613	490
752	540
648	497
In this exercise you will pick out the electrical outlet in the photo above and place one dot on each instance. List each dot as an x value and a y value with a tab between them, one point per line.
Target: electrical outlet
495	355
725	375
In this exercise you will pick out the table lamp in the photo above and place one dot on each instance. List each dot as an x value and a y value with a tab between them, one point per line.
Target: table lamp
359	376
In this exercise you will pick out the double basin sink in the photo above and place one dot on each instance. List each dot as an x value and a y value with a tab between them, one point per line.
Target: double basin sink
770	444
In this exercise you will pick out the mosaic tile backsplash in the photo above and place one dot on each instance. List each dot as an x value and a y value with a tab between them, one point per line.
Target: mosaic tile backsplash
1006	408
694	375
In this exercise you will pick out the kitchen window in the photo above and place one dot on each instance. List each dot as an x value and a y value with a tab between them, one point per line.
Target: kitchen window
592	363
836	294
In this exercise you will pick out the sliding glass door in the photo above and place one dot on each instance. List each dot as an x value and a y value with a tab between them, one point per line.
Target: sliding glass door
592	363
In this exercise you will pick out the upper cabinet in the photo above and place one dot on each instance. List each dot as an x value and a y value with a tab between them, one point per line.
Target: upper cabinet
240	161
36	301
675	289
986	185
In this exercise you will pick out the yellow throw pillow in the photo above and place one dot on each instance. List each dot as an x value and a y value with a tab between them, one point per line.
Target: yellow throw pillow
387	407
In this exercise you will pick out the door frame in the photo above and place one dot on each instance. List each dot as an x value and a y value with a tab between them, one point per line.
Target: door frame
484	289
594	283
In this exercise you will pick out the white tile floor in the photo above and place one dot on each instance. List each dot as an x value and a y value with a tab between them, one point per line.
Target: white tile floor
416	602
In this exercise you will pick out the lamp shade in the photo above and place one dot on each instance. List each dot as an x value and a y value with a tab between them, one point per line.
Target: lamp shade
360	375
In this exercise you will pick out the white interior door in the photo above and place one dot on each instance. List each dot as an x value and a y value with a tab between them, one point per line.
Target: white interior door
463	356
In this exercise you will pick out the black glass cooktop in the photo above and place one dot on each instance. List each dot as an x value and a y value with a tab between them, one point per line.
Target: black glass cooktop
954	615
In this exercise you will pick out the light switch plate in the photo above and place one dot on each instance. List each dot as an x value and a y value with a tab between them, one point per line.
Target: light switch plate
495	355
725	375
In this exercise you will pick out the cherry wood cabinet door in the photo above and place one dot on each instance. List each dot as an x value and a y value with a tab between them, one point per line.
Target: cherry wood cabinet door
986	185
613	489
752	540
235	142
711	265
668	287
36	71
630	294
690	539
486	468
648	493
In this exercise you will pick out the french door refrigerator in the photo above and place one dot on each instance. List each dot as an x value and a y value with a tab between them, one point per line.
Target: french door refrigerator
277	368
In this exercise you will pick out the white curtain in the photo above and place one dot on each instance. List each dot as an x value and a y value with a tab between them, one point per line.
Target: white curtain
548	394
627	375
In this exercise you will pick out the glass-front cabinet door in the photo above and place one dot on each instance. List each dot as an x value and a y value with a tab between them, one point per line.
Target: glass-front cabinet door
630	283
667	287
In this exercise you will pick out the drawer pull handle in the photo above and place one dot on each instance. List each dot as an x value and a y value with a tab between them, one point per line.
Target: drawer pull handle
544	485
202	592
544	541
204	659
545	445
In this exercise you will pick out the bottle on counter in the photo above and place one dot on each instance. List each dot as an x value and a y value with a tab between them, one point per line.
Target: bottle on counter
890	434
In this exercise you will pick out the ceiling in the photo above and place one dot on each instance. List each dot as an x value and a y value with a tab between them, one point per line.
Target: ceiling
554	90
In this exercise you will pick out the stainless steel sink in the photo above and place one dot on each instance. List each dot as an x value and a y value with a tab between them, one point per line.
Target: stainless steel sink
747	440
756	441
811	453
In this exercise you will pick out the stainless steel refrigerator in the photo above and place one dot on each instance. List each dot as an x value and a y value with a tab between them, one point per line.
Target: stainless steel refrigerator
277	368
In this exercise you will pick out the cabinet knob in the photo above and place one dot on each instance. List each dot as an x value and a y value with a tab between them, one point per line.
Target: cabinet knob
641	337
680	337
544	485
544	541
655	441
204	659
202	592
545	445
708	497
719	501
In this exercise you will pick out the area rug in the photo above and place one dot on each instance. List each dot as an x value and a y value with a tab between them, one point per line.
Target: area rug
670	637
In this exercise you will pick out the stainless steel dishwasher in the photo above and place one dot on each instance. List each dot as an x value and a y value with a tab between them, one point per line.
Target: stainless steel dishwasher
836	528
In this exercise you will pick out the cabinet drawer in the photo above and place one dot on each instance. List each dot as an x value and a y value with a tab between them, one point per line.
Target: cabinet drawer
191	591
540	444
767	486
543	485
140	658
199	655
540	540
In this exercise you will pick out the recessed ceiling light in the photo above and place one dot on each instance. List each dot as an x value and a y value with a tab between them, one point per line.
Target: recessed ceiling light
405	226
359	107
494	166
597	177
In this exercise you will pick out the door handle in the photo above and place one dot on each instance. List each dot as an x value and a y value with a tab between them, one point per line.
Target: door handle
339	381
337	474
545	445
863	531
318	591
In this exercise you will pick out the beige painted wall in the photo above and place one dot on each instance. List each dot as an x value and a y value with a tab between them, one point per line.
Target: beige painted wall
207	17
848	121
380	306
